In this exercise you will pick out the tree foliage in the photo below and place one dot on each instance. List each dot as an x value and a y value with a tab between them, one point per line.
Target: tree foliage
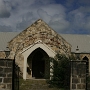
61	71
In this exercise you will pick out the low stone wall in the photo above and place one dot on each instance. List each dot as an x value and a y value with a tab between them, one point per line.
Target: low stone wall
78	75
2	55
6	67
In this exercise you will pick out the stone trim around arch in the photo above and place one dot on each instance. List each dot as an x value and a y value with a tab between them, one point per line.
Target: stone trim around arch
39	44
88	56
26	52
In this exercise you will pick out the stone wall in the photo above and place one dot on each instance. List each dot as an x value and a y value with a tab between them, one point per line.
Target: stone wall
78	75
6	74
39	31
2	55
82	55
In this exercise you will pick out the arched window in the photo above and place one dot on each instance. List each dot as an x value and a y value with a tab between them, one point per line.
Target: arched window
87	64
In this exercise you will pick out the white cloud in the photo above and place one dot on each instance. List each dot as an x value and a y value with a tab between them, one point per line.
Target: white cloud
47	13
80	19
4	13
19	14
44	15
60	26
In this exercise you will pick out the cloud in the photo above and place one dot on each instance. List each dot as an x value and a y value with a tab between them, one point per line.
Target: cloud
25	20
4	13
5	28
84	2
87	24
44	15
69	3
79	20
59	23
47	13
84	9
69	16
55	16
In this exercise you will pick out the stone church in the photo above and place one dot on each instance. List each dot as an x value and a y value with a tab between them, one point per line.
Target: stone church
30	47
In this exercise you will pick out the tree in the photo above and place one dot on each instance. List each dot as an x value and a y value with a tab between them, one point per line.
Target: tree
61	71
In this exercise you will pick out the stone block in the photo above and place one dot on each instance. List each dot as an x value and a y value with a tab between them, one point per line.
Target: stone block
1	69
2	63
2	86
7	80
83	80
73	86
83	86
9	75
78	86
10	63
7	70
75	80
9	86
83	75
74	75
2	75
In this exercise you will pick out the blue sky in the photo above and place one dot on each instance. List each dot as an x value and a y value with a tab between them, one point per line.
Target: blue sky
64	16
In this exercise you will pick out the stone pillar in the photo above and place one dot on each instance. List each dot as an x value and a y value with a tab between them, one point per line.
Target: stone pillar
25	68
78	75
6	68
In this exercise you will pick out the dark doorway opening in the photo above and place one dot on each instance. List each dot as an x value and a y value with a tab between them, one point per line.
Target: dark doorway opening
38	69
87	64
38	64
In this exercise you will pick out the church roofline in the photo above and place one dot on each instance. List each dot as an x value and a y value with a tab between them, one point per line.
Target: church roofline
36	22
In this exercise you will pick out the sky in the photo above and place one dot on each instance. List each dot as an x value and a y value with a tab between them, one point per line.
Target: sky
64	16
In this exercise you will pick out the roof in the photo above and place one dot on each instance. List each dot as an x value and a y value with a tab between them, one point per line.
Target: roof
82	41
5	37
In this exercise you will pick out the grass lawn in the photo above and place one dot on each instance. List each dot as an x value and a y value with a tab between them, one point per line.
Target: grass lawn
34	85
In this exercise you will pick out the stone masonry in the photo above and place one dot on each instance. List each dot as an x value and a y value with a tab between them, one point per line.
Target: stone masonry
2	55
6	74
78	75
37	31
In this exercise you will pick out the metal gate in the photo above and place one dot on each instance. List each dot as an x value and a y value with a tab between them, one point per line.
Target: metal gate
15	77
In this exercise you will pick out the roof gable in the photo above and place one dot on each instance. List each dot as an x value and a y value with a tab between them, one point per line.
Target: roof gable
40	31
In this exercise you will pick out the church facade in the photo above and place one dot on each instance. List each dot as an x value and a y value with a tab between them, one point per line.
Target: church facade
31	47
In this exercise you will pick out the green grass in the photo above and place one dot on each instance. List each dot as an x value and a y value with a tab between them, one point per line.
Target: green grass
34	85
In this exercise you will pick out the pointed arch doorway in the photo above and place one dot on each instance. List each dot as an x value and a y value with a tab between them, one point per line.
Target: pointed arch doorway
87	64
28	56
38	63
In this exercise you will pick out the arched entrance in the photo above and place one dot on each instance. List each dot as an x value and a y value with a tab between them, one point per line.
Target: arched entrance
87	64
38	63
28	56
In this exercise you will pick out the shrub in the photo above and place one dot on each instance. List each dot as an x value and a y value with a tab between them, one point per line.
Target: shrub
61	71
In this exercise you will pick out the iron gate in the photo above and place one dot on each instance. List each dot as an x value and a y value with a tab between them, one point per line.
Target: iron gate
15	77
